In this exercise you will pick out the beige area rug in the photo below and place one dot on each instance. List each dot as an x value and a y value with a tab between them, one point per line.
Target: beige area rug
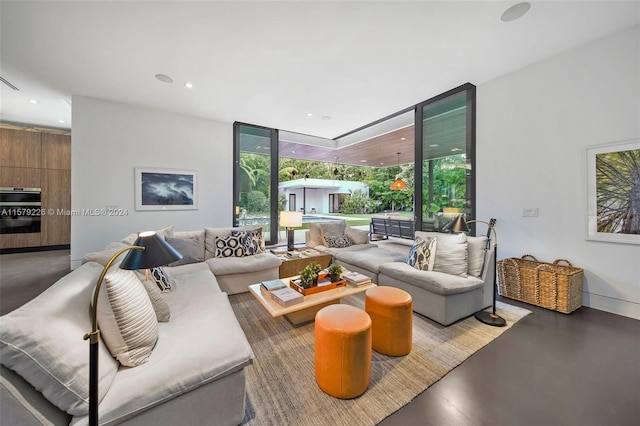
281	382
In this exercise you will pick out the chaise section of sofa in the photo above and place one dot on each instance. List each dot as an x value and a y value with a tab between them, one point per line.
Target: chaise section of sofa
195	372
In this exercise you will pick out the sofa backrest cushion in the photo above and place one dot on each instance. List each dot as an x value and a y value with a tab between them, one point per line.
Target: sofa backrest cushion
319	230
163	233
42	342
126	318
103	256
452	255
357	236
190	244
477	250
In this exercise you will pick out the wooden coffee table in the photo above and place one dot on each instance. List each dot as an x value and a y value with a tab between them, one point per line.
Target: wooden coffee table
306	310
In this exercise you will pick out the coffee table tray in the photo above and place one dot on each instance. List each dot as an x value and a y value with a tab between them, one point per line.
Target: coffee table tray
324	284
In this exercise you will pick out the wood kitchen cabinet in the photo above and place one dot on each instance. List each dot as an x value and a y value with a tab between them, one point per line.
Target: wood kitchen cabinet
35	158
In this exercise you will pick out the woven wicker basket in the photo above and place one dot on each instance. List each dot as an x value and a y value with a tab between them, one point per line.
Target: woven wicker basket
549	285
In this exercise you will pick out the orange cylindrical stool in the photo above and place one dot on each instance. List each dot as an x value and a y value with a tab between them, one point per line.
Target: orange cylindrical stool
343	350
391	315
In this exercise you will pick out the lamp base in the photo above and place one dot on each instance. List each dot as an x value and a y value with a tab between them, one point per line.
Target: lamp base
490	319
290	246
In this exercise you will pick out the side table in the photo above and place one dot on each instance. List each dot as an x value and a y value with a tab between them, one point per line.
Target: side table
292	266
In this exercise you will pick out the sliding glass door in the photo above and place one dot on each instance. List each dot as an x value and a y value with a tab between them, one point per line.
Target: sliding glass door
255	183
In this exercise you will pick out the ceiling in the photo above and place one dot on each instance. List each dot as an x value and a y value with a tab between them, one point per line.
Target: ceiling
316	68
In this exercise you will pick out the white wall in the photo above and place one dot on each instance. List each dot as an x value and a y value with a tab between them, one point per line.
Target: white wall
533	127
109	140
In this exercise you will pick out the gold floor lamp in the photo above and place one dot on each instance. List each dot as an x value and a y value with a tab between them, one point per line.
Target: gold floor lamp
149	251
459	225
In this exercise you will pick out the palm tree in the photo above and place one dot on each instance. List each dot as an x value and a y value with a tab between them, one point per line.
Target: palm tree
618	191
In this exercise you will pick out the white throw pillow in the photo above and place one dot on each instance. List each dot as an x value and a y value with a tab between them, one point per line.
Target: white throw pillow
160	306
451	255
126	318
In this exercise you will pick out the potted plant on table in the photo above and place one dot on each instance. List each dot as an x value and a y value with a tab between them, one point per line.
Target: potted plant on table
335	271
309	275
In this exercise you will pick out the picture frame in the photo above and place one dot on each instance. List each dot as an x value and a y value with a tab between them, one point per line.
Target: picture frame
165	189
610	171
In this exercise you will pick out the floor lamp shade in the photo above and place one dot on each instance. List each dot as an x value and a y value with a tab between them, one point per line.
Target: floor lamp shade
290	220
157	252
149	251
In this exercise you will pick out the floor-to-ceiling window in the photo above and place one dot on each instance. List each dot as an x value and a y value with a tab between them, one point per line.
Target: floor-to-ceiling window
256	178
445	151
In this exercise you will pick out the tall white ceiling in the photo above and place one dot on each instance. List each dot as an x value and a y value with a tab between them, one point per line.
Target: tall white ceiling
272	63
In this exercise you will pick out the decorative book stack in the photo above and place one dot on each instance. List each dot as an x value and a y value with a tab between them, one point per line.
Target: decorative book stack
268	286
356	279
286	296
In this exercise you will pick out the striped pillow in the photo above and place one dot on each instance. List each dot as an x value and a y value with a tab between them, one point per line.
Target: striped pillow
126	318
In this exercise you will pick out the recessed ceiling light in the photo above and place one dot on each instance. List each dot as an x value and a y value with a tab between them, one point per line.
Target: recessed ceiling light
381	164
188	85
402	139
61	121
164	78
309	114
514	12
33	101
363	161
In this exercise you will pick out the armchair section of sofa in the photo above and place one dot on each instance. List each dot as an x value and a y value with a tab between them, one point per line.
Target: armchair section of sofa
460	283
334	236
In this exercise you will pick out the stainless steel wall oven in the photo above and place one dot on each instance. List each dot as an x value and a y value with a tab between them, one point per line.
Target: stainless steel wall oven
20	210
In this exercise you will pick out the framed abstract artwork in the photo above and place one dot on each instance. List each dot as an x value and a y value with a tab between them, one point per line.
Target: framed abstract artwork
613	192
166	189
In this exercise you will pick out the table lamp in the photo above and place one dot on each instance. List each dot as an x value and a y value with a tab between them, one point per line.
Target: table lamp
459	225
290	220
149	251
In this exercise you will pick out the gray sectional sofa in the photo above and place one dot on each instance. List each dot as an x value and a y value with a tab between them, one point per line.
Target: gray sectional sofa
195	373
444	294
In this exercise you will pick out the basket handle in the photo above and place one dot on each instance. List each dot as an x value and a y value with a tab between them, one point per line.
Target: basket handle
557	262
529	255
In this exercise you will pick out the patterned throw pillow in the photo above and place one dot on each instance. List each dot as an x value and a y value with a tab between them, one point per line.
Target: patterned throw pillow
232	246
253	241
337	241
162	280
422	254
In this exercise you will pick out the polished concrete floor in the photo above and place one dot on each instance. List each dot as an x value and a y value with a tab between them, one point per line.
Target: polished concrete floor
549	369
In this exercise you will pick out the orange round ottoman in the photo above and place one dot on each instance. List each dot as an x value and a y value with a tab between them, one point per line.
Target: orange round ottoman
391	315
343	350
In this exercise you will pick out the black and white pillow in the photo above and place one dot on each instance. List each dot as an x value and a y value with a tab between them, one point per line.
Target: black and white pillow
162	280
232	246
422	254
253	240
337	241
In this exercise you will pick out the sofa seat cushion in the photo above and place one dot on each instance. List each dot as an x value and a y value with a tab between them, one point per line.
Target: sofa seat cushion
370	259
202	343
42	341
435	282
243	265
